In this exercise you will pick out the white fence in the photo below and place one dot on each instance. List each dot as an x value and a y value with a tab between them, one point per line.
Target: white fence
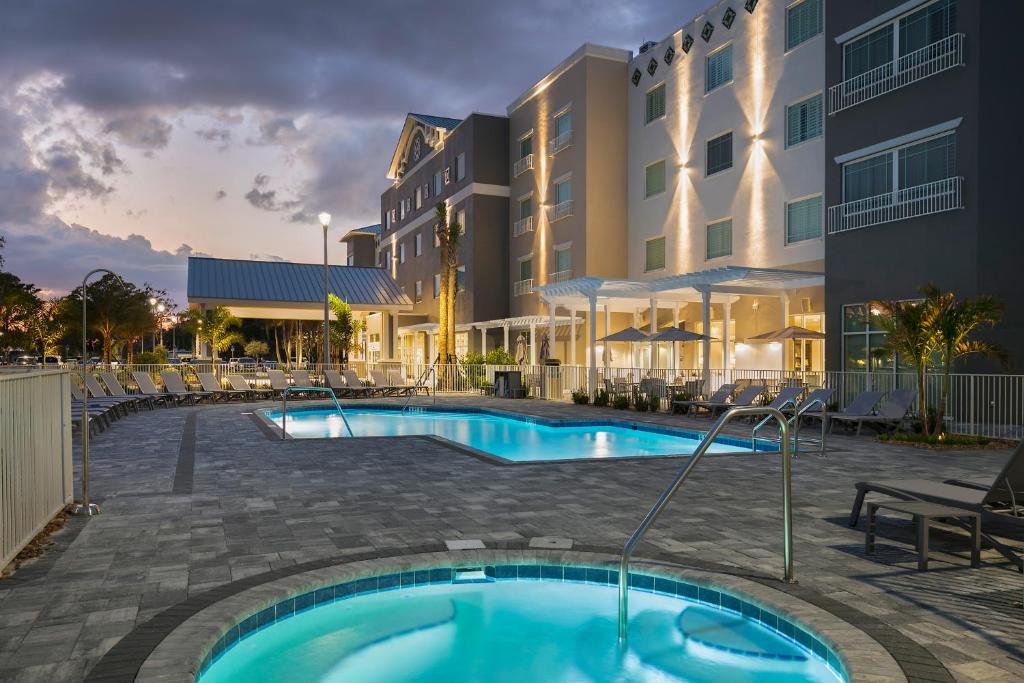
35	455
983	405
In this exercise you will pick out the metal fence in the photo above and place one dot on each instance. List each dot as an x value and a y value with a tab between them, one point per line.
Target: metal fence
35	455
982	405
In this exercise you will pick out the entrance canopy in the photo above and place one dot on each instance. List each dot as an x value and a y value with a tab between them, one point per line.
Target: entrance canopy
288	291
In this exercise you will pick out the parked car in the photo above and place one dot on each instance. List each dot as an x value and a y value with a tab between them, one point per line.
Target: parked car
51	360
243	363
270	365
27	359
174	361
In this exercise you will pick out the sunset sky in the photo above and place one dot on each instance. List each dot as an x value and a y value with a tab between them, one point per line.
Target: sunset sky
135	133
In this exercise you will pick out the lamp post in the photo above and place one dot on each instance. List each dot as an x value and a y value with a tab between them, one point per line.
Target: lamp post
325	221
86	507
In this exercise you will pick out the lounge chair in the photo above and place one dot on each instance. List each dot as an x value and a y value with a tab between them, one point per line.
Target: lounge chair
240	383
863	404
104	411
114	387
382	384
787	398
115	405
890	415
302	378
1000	501
148	388
278	381
721	394
336	383
176	385
404	388
356	386
97	391
213	387
819	397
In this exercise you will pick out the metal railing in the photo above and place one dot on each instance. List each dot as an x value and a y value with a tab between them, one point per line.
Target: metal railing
794	423
561	210
522	226
321	390
522	165
940	56
694	460
522	287
911	202
421	381
560	142
35	454
560	276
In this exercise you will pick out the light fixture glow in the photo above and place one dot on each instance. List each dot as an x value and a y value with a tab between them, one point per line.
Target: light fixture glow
325	218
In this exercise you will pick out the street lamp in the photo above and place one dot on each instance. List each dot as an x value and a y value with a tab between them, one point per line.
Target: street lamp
85	507
325	221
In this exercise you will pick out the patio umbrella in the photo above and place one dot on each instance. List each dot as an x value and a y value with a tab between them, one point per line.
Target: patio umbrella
630	334
544	349
521	349
791	332
674	334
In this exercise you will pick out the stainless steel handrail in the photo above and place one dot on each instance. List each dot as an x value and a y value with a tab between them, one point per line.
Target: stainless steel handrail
421	381
322	390
794	423
763	422
702	448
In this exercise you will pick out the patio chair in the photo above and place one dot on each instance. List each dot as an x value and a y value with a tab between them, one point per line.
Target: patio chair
148	388
824	395
1000	501
860	406
355	385
176	385
105	409
278	381
212	386
302	378
97	391
721	395
117	406
746	397
240	383
890	415
114	387
788	397
401	384
336	383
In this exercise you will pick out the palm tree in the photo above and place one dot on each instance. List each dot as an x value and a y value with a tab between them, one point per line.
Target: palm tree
954	321
448	235
218	330
343	327
910	336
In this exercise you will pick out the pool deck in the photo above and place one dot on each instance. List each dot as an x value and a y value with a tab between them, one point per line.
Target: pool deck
196	498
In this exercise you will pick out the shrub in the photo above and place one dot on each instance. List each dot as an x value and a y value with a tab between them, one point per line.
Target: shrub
156	357
620	403
499	356
640	402
947	440
654	404
580	397
473	358
601	398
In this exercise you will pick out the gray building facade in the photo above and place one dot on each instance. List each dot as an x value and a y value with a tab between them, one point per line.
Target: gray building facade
921	164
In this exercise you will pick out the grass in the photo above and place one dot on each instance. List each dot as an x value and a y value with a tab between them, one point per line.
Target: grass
943	440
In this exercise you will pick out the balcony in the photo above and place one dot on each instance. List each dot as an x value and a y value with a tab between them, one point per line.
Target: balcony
522	226
561	142
561	210
911	202
560	276
522	287
940	56
522	166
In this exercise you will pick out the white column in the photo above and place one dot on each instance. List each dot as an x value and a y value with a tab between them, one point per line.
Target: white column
533	343
675	345
654	330
483	341
607	331
505	331
430	348
592	321
726	372
551	330
705	311
572	336
784	306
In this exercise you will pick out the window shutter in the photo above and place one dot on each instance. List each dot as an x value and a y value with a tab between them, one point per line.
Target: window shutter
803	22
719	239
655	257
803	220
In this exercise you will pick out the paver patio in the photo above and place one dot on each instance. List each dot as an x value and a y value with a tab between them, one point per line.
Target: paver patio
173	527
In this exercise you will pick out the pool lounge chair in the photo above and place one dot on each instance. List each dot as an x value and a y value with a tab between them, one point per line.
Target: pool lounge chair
355	385
820	398
278	381
97	392
889	416
104	411
176	385
1002	500
114	387
721	394
302	378
148	388
385	384
114	405
863	404
787	398
337	384
212	386
399	380
240	383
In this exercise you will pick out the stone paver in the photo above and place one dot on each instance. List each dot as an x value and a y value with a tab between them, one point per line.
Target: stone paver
253	505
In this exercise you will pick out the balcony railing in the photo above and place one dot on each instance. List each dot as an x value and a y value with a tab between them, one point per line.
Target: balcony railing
522	226
561	210
522	166
522	287
910	68
560	142
920	200
560	276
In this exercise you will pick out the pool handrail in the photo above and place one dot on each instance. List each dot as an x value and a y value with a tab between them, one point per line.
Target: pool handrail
421	382
322	390
794	423
666	496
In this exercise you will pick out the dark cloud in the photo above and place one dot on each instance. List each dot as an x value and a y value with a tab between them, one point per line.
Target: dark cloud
221	194
67	177
220	136
139	130
261	197
278	130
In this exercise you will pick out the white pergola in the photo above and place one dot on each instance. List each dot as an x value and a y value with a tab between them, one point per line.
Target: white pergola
532	322
718	285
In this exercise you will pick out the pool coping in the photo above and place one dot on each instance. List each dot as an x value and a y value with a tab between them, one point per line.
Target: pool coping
275	433
171	646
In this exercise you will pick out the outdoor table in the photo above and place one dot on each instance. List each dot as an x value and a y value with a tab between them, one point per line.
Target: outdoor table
924	514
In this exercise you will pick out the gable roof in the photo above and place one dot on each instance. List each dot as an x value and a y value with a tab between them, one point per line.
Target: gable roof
443	123
285	282
365	231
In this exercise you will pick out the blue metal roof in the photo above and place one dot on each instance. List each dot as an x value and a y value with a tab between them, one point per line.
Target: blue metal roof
365	230
436	121
237	280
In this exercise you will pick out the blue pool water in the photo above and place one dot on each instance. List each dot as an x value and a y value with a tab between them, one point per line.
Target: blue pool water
510	438
515	630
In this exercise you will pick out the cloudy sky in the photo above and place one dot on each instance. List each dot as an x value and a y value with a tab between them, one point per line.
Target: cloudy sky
135	133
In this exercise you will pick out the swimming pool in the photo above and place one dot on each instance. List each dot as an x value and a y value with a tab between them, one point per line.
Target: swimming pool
507	436
549	623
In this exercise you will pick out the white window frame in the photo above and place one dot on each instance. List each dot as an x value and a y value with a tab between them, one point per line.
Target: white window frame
732	163
418	244
894	22
401	253
663	84
460	167
785	117
519	142
708	224
785	38
707	57
664	163
785	220
418	292
893	152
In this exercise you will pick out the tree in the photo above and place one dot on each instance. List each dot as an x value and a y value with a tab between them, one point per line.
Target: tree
343	328
448	236
18	304
46	327
953	322
218	329
910	330
257	348
116	309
